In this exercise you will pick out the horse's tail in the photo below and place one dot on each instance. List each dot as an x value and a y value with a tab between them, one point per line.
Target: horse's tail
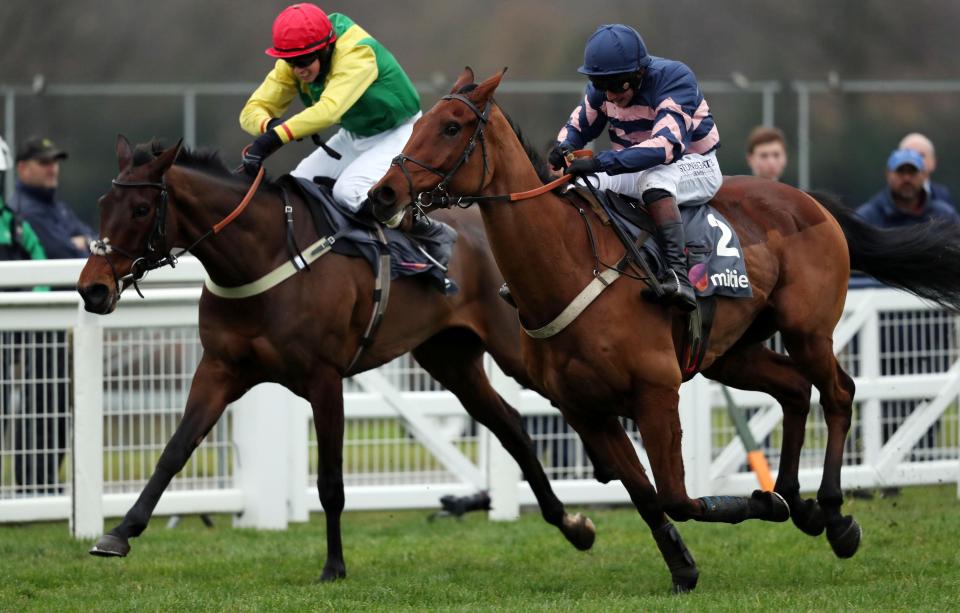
923	259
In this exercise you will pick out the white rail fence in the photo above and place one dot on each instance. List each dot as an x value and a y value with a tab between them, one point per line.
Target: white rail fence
87	404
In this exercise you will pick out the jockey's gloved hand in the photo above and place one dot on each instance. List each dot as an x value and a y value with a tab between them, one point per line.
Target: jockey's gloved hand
259	150
558	156
583	166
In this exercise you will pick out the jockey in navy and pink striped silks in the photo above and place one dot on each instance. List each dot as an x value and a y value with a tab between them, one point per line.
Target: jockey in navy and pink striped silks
663	137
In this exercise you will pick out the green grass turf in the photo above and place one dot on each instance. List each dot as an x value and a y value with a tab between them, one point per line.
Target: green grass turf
909	560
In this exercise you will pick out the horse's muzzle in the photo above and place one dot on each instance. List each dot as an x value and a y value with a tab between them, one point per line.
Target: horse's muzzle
385	207
97	298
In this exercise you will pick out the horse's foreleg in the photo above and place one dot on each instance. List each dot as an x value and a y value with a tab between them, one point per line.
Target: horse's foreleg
326	398
455	360
612	446
658	418
214	386
758	368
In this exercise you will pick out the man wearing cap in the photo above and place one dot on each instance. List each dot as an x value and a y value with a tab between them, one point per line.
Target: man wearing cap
905	201
343	76
663	136
60	231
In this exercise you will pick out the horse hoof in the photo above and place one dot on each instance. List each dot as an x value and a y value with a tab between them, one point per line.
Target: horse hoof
775	508
685	582
844	537
333	572
110	546
579	530
808	516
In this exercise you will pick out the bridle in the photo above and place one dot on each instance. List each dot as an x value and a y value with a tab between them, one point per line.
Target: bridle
438	196
156	253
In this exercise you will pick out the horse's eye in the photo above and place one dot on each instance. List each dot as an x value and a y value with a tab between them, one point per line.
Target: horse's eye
451	129
140	210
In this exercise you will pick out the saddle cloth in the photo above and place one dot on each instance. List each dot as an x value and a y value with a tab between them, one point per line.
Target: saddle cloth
360	237
716	265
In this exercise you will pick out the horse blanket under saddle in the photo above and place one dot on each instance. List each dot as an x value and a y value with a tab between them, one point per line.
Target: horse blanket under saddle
716	263
424	255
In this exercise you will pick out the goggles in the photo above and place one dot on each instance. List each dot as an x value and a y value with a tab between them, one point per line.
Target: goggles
614	83
302	61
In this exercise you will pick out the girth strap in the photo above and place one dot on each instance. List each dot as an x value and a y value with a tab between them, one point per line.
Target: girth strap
381	297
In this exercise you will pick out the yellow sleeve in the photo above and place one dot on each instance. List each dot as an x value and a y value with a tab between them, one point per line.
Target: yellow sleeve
351	74
269	100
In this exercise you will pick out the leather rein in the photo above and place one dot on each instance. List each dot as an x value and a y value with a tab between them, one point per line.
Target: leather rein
156	253
439	196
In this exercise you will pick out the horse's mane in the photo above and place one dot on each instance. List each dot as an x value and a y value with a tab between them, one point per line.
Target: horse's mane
539	165
202	159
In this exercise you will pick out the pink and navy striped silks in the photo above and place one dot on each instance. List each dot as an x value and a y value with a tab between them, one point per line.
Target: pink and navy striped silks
666	118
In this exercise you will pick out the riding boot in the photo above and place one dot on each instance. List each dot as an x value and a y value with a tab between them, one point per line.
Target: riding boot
676	285
435	240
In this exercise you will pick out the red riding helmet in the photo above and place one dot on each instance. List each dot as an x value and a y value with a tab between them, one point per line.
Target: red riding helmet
300	29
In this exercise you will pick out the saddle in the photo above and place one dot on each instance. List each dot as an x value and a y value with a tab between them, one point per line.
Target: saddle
360	235
632	224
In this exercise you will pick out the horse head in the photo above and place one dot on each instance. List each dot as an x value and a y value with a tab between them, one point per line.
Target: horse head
447	154
133	228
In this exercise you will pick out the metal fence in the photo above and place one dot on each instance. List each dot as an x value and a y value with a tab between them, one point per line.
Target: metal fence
88	402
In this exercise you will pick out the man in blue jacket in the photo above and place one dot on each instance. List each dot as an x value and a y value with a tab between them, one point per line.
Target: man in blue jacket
61	232
905	201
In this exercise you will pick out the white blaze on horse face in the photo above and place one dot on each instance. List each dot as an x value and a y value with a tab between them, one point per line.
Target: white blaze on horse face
394	221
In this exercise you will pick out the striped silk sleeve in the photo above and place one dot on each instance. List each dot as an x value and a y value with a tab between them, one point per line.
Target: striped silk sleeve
586	121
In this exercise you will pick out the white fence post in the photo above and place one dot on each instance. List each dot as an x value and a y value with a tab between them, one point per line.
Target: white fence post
870	415
86	516
261	429
695	420
298	409
502	471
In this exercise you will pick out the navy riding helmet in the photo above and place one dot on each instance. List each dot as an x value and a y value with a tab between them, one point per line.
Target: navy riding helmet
614	49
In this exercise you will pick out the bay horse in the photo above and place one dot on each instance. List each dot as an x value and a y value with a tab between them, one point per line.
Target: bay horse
303	332
619	358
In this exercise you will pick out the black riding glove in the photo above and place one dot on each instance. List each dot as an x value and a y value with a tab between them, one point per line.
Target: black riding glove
558	156
259	150
583	166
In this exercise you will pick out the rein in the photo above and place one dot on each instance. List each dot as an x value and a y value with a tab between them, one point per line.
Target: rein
439	197
156	253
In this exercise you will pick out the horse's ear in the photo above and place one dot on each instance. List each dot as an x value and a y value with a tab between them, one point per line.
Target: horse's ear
485	90
124	152
466	78
165	160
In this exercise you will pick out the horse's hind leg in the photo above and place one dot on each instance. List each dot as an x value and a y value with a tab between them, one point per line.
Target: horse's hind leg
455	359
612	446
214	386
326	400
814	354
658	419
757	368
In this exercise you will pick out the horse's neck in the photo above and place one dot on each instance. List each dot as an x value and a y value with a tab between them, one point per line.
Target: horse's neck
540	244
242	251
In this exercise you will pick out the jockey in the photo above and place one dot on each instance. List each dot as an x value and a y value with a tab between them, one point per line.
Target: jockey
664	140
343	76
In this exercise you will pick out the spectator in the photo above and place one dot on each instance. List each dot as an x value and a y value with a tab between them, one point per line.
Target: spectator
40	426
767	152
911	347
905	201
60	231
924	146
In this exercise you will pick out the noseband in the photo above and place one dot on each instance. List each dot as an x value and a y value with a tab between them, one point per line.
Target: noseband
156	254
438	196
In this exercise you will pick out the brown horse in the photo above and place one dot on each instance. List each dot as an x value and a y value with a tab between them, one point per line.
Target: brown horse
620	357
304	332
